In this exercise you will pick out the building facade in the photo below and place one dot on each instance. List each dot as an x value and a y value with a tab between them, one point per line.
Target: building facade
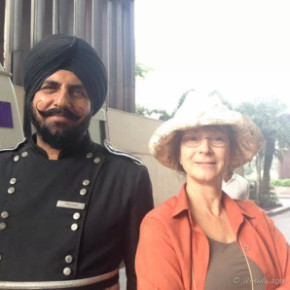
108	25
284	166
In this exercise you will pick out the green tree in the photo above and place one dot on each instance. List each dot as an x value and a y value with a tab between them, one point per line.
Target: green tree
223	100
141	70
141	110
162	114
267	115
180	101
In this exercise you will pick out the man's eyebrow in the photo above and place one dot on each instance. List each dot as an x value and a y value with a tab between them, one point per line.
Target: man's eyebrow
77	86
55	83
49	82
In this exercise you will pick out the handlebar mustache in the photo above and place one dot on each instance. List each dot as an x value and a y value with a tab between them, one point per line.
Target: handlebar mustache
59	112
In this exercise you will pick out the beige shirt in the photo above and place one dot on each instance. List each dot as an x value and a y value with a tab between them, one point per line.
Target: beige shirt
237	187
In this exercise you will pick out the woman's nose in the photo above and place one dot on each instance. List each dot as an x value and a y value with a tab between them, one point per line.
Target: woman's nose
205	145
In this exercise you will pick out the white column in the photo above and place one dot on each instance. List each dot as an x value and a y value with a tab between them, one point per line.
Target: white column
80	18
129	56
122	56
60	14
37	20
116	96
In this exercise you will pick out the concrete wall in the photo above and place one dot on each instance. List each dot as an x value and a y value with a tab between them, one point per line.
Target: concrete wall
10	134
131	133
108	25
19	91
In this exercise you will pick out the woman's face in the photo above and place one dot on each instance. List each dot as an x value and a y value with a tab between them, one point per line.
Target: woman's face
205	153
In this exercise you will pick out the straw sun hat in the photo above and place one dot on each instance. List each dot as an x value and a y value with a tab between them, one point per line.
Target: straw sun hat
204	110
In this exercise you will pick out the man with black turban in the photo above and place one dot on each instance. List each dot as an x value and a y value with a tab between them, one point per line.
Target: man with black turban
70	209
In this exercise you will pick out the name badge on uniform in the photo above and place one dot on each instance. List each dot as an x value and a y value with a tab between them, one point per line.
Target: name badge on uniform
70	204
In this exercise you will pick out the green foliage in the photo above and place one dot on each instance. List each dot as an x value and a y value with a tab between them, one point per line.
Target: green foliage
280	182
141	70
269	201
181	101
223	100
266	201
161	114
252	190
275	128
248	169
141	110
266	115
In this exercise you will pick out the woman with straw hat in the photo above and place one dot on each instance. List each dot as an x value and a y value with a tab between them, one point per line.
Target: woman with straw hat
201	238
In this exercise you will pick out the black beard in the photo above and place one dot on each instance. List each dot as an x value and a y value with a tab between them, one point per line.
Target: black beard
64	138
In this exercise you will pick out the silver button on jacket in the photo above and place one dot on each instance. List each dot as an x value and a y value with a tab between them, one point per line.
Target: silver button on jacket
49	231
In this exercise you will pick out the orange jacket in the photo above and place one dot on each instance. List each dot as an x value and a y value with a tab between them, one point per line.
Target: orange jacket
172	246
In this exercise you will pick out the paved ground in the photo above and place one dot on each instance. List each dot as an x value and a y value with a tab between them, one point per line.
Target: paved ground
282	220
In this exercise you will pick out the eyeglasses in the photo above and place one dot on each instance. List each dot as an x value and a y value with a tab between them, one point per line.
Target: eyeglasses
194	141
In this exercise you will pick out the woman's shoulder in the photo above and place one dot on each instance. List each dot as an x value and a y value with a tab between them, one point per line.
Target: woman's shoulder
164	209
246	203
250	208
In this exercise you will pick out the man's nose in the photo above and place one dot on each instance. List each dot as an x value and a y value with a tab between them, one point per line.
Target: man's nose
62	98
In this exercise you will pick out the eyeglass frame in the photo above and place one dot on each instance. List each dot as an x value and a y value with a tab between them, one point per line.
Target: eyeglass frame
199	142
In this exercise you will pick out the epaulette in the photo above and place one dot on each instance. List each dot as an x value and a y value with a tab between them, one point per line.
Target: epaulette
108	145
17	146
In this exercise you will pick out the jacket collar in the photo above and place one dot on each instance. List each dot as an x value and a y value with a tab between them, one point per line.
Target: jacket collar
181	204
78	148
235	213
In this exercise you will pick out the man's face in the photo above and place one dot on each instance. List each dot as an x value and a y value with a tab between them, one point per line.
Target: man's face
61	109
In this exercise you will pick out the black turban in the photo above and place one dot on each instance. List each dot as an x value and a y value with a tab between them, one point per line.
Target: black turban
64	52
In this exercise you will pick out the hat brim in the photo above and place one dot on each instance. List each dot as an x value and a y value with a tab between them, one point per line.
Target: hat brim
248	138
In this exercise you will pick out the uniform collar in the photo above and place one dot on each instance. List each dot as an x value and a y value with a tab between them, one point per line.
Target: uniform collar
76	149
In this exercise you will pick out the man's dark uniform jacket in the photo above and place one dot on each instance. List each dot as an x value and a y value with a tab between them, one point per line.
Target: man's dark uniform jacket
69	219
